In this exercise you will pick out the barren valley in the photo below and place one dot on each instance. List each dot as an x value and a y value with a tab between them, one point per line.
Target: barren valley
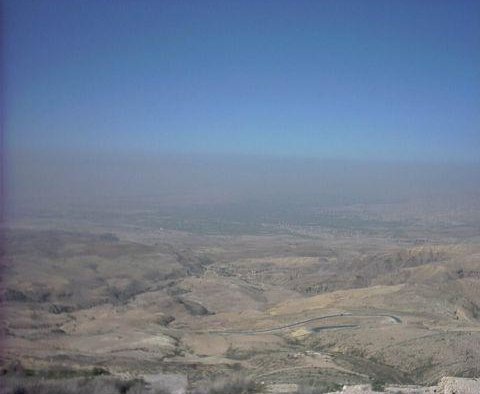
354	296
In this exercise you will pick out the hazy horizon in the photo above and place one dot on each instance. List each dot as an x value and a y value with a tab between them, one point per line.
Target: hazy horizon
168	104
97	180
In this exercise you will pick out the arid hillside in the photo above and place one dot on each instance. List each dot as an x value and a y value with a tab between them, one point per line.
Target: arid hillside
316	307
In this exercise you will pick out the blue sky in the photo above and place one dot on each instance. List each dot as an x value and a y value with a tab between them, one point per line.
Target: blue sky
329	79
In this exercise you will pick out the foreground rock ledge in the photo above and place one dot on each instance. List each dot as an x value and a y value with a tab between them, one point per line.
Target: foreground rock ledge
446	385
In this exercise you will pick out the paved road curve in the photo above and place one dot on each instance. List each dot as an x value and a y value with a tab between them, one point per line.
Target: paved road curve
395	319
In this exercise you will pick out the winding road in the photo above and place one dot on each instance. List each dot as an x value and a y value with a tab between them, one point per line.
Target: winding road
395	319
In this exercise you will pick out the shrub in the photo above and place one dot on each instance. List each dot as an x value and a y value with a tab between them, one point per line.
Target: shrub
378	385
98	385
236	384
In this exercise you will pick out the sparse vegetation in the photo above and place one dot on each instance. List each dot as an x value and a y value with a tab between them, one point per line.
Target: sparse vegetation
319	390
234	384
378	385
118	295
97	385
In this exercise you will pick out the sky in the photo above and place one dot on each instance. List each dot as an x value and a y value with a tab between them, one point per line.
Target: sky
328	79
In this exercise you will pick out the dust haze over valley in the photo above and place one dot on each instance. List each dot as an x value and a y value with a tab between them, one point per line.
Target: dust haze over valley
183	271
204	181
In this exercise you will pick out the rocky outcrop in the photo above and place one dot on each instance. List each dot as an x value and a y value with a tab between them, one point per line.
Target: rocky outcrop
447	385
